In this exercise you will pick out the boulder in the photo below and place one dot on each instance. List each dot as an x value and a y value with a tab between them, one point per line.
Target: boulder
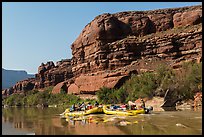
187	18
62	86
89	84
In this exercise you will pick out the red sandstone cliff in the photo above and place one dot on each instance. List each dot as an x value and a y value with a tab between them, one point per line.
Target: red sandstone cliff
113	46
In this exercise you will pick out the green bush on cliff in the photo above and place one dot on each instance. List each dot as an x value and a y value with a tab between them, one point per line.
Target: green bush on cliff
164	75
164	78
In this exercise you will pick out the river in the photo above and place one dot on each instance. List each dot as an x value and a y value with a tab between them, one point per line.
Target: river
47	121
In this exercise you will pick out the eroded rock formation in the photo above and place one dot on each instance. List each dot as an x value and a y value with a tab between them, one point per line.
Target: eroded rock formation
113	46
105	43
48	74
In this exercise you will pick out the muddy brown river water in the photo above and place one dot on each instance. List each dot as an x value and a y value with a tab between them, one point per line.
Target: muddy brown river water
46	121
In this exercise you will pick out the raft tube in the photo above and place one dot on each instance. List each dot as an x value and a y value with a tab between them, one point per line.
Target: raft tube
86	112
117	112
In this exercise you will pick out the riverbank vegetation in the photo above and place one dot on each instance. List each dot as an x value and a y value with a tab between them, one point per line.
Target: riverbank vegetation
35	97
184	82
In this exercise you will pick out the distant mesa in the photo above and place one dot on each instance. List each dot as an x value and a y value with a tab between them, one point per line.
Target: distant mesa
10	77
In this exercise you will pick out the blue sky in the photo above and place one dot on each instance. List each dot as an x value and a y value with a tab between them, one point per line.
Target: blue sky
36	32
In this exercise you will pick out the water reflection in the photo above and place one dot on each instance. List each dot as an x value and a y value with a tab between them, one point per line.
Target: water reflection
92	124
47	121
37	120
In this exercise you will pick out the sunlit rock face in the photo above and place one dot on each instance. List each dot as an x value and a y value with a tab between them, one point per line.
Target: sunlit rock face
115	40
113	46
50	75
136	40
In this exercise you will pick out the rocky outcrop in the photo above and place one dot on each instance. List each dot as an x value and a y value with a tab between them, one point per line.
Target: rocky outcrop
197	100
24	85
93	82
48	74
187	18
60	87
147	52
98	47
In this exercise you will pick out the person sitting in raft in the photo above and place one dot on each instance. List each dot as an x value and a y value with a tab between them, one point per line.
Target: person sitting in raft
134	107
131	105
73	108
142	103
124	107
81	106
77	108
114	107
89	106
100	105
96	104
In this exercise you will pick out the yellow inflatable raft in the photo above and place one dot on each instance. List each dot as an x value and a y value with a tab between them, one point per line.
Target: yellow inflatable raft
86	112
138	111
124	113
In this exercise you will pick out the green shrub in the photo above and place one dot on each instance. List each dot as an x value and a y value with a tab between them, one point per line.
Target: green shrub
105	95
184	83
189	80
140	86
121	95
34	97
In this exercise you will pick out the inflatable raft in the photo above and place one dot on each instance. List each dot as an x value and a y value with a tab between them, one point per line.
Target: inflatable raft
138	111
83	113
124	113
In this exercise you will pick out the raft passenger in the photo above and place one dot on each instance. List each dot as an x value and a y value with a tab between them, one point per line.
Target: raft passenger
142	103
96	104
89	106
73	108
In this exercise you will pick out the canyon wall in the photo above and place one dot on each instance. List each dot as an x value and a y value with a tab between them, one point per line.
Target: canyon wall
96	47
113	46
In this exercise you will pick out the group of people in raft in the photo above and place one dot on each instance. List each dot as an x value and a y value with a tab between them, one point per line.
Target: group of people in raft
130	106
83	106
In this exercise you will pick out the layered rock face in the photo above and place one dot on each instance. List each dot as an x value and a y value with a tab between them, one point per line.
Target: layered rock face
113	46
89	84
134	42
48	74
97	47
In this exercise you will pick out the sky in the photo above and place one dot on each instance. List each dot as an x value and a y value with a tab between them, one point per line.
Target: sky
38	32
